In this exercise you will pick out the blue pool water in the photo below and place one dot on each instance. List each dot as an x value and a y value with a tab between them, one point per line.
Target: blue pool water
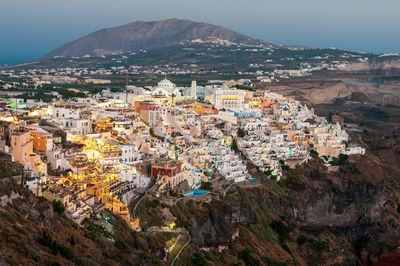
253	178
196	193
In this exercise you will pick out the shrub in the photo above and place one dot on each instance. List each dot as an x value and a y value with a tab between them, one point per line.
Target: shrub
206	186
210	256
282	230
319	245
281	184
173	194
9	215
156	260
235	147
315	244
158	239
314	154
144	255
272	262
58	207
247	257
341	160
71	240
65	251
199	259
301	239
241	133
41	198
106	255
120	244
205	204
45	240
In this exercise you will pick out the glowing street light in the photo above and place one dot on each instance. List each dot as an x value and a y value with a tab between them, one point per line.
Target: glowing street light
172	225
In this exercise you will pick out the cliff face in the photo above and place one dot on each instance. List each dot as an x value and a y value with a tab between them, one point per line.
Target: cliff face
342	199
313	91
340	209
382	65
358	204
215	228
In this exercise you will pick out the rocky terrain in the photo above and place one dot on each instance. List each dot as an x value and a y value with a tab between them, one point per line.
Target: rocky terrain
380	65
35	231
326	88
349	215
147	35
343	215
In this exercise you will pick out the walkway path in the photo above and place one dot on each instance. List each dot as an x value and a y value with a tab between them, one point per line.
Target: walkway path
181	231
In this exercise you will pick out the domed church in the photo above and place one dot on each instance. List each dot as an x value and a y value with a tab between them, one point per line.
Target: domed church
165	88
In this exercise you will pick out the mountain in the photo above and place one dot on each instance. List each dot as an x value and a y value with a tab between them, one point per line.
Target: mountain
147	35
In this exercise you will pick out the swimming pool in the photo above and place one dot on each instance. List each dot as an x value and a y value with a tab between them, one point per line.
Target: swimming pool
196	193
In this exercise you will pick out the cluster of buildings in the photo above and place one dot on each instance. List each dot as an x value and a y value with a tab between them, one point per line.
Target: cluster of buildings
99	152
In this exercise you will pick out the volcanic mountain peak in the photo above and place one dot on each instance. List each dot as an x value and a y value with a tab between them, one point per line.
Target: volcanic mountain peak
148	35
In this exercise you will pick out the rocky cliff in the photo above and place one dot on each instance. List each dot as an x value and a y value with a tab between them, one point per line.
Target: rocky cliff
381	65
317	215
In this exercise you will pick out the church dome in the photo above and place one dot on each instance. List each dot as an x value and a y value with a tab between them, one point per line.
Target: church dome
165	83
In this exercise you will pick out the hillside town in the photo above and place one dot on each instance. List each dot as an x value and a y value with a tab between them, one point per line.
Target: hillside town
262	63
108	149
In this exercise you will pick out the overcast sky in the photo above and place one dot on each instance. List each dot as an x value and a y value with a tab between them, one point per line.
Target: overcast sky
31	28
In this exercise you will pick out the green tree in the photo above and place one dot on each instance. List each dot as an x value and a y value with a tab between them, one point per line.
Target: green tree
241	133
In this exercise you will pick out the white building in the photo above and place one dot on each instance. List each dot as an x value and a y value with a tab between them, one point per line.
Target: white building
354	150
228	98
165	88
226	161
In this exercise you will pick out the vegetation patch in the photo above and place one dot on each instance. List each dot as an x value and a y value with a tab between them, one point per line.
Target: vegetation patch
272	261
47	241
200	260
341	160
206	186
315	244
148	211
58	207
93	230
9	215
247	257
159	239
282	230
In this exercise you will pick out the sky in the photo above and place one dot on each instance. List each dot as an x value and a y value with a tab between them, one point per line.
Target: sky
31	28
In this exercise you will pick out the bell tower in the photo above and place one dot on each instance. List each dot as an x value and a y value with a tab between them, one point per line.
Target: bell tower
193	89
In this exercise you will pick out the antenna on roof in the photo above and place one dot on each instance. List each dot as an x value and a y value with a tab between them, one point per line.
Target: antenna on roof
126	89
